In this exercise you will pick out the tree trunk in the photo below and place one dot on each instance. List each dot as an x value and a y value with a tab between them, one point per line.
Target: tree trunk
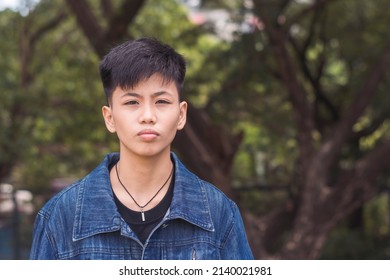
13	148
321	206
206	148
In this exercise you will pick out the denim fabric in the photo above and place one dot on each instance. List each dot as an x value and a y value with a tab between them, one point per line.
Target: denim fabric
82	222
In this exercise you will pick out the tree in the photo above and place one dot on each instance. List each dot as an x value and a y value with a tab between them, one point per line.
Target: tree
299	93
20	102
318	204
327	192
216	148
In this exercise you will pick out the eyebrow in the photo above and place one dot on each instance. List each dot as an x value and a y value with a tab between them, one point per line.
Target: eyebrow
137	95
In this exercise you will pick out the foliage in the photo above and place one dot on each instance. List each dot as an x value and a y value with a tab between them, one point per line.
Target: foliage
9	66
62	99
197	46
51	126
368	242
67	136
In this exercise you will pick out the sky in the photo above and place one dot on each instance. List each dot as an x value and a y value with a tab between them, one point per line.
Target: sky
8	4
13	4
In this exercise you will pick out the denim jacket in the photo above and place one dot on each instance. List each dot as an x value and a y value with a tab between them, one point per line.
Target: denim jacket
82	222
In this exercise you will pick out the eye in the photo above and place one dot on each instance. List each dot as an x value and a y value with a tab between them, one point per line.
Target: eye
162	101
131	102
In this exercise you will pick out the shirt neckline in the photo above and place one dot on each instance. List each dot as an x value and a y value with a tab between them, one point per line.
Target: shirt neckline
151	215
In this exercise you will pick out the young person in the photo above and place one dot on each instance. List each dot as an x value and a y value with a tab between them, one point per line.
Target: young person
141	203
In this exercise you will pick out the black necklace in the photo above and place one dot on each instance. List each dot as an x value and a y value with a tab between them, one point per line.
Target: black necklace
147	203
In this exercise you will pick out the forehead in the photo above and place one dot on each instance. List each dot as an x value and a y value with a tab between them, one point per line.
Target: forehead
150	86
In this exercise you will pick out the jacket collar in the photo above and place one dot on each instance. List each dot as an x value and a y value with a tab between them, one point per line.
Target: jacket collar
96	211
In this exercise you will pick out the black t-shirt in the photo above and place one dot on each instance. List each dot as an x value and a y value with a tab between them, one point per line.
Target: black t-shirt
152	217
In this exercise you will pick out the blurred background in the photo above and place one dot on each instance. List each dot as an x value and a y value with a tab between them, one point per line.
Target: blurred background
289	112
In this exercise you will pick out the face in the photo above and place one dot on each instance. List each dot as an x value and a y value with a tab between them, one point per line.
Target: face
146	117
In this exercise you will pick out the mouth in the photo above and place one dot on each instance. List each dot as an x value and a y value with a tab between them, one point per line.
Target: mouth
148	134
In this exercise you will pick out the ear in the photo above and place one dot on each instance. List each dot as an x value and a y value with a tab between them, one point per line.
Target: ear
108	118
183	115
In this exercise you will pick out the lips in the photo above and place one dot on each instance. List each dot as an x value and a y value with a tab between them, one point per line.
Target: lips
148	134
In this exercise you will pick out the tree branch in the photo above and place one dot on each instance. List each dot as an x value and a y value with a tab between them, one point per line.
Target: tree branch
101	40
106	8
375	161
365	96
302	110
265	232
51	24
357	186
314	79
374	125
318	4
119	22
88	23
332	146
204	146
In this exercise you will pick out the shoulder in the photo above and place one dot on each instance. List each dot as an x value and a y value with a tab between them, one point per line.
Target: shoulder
64	200
200	189
218	201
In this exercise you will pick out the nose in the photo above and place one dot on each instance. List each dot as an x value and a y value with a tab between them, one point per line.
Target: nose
148	114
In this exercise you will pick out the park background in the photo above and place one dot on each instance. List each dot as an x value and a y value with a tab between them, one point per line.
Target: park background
289	106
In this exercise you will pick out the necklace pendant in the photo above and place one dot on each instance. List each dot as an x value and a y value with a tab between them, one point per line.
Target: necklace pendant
141	207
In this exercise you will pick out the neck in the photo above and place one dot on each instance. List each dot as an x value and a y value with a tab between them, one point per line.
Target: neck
143	176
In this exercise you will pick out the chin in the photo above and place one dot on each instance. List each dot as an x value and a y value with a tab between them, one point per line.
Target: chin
152	152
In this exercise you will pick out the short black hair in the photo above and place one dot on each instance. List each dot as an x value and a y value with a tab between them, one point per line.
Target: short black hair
133	61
